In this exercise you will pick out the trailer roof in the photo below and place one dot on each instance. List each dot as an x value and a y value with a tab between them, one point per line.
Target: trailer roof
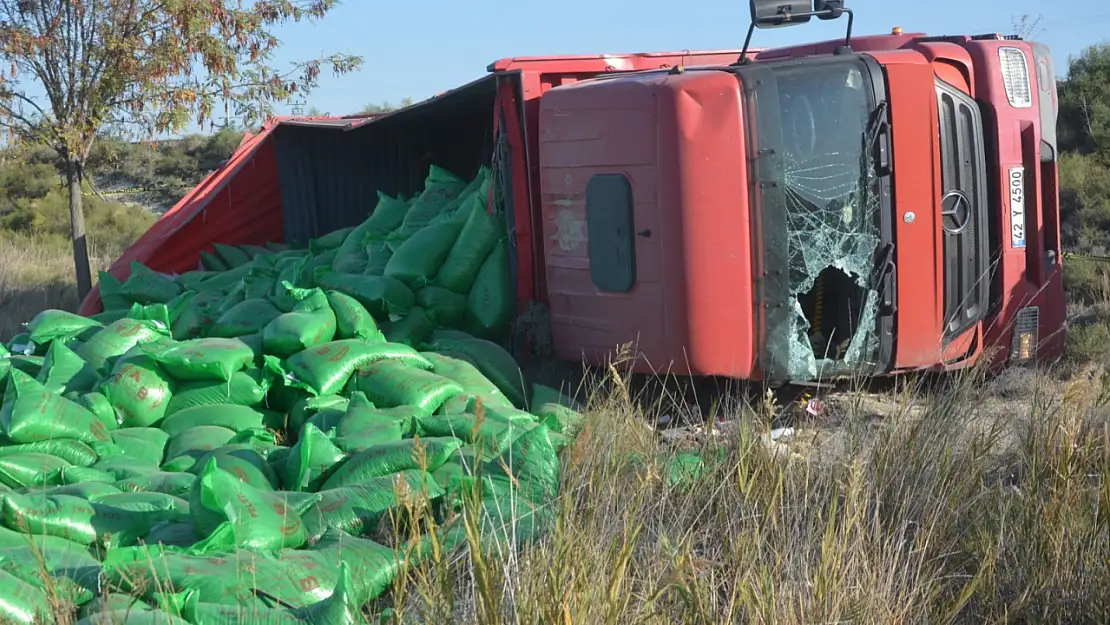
626	62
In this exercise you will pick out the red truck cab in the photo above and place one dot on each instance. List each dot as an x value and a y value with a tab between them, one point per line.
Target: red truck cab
863	206
819	211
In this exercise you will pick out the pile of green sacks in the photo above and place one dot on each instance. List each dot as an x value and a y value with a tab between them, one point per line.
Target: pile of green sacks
251	442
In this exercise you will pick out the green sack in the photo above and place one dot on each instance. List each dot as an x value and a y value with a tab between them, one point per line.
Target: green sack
324	370
353	441
203	359
362	418
233	417
247	317
491	434
225	280
110	316
383	297
388	215
50	325
73	452
358	508
31	365
306	408
392	383
23	602
196	441
178	484
475	243
311	461
490	358
542	394
110	297
197	315
212	262
281	296
350	256
446	308
412	329
352	320
489	307
246	388
68	476
146	286
174	533
116	339
142	444
131	617
64	371
232	514
112	602
427	454
243	462
379	251
466	375
258	287
310	323
30	566
190	280
158	314
28	469
231	255
417	260
99	405
298	578
112	524
138	389
32	413
440	187
476	193
337	609
316	264
84	490
329	241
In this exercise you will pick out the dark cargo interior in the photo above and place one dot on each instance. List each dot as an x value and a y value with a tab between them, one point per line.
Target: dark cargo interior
330	173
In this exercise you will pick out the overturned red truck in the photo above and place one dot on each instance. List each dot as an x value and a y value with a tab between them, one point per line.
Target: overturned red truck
863	206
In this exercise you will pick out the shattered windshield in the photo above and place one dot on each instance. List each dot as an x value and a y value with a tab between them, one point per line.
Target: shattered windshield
830	228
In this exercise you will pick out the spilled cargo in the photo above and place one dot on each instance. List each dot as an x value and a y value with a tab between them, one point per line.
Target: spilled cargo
270	412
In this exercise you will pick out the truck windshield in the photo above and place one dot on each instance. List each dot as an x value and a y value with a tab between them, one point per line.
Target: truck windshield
819	221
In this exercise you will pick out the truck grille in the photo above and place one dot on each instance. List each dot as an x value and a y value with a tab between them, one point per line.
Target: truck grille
964	199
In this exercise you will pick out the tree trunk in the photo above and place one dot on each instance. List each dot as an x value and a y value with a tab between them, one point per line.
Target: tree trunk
77	225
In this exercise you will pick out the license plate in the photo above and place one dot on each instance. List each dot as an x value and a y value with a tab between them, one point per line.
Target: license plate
1017	207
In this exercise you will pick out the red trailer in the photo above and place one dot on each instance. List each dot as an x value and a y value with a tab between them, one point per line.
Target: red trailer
853	207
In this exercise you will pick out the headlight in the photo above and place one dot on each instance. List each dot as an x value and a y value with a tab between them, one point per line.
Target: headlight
1015	75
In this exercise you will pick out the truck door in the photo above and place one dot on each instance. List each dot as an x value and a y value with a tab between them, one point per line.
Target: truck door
963	209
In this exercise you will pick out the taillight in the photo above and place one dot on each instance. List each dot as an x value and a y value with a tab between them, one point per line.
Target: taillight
1015	76
1026	330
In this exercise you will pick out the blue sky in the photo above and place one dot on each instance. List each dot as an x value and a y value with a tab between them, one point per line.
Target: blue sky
418	48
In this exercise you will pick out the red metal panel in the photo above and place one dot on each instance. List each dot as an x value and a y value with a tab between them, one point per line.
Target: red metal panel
238	203
538	74
915	152
679	141
1025	278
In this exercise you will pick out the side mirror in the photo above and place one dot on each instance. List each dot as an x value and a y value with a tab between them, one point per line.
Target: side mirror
779	13
828	9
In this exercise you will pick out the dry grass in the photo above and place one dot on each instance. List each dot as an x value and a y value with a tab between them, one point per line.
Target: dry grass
929	521
36	273
982	501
